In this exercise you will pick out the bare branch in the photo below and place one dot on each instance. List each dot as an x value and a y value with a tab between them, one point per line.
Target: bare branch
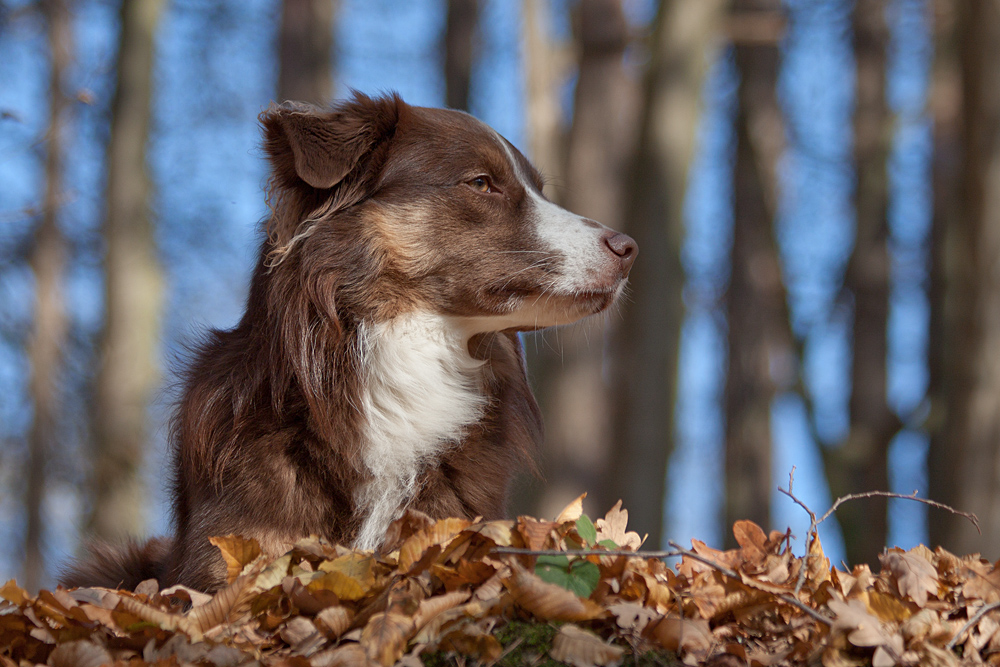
971	622
913	496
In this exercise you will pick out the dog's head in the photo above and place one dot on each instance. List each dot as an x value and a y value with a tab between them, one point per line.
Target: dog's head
407	208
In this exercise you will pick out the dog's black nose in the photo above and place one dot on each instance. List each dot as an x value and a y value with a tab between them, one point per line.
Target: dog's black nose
625	247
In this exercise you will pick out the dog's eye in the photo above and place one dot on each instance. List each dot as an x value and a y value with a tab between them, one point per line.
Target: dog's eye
481	183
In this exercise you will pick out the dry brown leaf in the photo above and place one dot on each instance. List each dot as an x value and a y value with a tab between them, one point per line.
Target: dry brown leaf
345	655
817	565
751	539
188	595
550	602
14	593
163	620
439	534
613	527
572	512
350	577
81	653
217	610
469	639
982	582
500	532
384	637
433	606
682	635
302	636
99	597
237	552
335	621
537	534
581	648
861	627
632	617
915	576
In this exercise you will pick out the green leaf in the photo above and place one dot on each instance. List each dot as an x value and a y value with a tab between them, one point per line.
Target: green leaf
586	530
580	577
609	544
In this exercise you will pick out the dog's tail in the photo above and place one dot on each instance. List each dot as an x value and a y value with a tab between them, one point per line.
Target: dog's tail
119	565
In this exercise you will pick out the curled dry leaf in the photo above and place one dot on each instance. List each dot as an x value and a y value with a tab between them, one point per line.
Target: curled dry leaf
431	607
237	552
537	534
217	610
384	637
550	602
572	512
682	635
916	577
185	594
14	593
583	649
438	534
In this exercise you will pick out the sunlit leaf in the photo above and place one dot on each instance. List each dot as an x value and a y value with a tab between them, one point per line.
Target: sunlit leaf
237	552
586	530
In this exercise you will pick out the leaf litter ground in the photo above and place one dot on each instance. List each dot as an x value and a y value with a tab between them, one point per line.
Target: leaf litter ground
527	592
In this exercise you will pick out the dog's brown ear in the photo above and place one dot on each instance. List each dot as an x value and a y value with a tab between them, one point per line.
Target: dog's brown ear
321	147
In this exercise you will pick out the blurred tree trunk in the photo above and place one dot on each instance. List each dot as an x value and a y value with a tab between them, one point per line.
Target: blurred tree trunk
459	51
305	51
646	345
129	370
761	358
964	465
861	463
544	64
572	391
48	262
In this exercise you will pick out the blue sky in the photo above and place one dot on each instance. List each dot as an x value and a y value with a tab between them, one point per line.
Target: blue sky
215	71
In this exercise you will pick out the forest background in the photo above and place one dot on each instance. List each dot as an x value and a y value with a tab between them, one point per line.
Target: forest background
813	185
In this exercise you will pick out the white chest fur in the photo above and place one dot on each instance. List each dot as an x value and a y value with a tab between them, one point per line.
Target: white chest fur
422	389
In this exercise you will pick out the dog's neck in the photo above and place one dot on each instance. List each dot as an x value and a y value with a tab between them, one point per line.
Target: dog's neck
421	390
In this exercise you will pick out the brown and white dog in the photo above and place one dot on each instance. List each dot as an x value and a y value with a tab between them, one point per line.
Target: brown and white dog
377	367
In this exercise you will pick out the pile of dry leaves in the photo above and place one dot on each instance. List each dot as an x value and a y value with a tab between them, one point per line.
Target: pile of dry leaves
444	591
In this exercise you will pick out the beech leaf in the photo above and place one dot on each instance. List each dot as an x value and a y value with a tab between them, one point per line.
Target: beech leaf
550	602
237	552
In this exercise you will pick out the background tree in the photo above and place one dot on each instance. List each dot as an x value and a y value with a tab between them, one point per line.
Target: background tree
129	368
567	365
685	38
305	51
48	262
459	51
761	353
860	463
965	444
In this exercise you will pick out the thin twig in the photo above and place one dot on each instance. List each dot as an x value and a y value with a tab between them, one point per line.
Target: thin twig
584	552
971	622
812	535
913	496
